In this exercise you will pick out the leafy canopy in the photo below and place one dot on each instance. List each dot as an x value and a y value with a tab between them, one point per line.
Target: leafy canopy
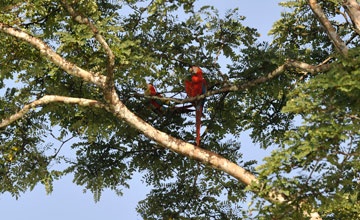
311	118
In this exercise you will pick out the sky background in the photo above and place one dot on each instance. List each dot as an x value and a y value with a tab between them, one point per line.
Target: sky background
68	201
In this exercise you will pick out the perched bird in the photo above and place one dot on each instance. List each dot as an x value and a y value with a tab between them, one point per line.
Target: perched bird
197	86
155	104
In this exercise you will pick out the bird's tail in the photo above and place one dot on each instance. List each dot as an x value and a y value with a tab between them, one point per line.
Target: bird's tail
198	123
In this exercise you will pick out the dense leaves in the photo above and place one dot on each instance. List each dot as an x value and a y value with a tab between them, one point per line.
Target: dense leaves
313	120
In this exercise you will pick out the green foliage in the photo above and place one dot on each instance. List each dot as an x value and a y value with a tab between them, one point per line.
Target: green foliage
319	157
194	192
312	119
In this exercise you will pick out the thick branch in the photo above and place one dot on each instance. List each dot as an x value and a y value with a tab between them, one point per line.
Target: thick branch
330	30
83	20
204	156
53	56
176	145
353	10
48	99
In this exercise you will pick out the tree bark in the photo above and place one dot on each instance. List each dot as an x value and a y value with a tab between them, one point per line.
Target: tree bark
352	8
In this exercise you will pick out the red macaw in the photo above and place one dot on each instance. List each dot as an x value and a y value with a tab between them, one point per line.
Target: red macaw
158	105
155	104
197	86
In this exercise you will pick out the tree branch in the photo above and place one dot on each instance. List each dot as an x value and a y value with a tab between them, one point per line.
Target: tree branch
330	30
53	56
234	88
83	20
48	99
181	147
62	144
352	8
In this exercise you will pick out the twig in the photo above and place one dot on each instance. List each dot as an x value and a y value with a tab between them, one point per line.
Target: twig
354	117
212	118
343	14
26	25
312	171
62	144
347	42
220	49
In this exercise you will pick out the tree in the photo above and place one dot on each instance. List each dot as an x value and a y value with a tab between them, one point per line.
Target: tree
80	66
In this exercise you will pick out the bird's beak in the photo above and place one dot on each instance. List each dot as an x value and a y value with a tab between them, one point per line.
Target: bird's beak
191	70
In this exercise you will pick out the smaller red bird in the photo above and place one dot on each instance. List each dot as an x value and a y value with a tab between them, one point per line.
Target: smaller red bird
197	86
155	104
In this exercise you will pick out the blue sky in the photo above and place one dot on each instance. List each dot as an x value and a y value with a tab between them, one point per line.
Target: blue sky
68	200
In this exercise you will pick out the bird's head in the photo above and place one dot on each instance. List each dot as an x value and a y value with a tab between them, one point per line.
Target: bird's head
195	70
150	89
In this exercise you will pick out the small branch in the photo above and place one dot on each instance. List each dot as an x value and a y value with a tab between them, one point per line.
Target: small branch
352	37
48	99
344	15
53	56
183	62
43	19
291	63
212	118
353	117
330	30
62	144
83	20
308	67
192	187
235	88
312	171
219	52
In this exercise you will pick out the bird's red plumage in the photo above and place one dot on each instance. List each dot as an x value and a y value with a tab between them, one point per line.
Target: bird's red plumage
197	86
152	92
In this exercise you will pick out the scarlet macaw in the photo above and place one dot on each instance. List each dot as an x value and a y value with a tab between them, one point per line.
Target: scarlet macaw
197	86
155	104
158	105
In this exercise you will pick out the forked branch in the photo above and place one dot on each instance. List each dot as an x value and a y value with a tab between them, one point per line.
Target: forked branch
84	20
